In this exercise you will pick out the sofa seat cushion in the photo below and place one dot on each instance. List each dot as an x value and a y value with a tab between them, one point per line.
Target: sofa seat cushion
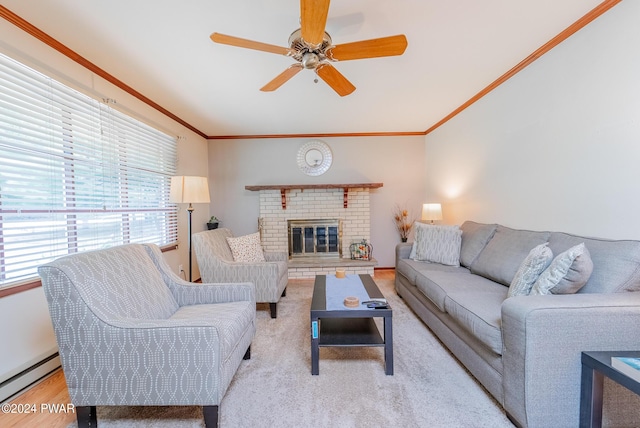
505	252
231	320
436	285
479	312
413	269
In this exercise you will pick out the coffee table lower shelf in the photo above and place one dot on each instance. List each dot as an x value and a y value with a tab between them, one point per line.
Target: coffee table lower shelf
349	332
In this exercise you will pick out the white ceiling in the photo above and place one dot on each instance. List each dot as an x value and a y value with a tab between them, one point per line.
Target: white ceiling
162	49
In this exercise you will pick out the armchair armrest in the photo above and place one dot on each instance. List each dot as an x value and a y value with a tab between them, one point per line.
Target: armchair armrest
241	271
188	293
543	337
276	256
128	341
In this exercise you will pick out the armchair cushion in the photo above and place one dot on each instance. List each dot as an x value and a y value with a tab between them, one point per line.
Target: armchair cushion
227	318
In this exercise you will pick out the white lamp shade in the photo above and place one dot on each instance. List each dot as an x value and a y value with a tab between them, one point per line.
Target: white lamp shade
431	212
189	189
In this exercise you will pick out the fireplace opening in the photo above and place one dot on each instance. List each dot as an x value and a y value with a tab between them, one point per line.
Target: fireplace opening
315	238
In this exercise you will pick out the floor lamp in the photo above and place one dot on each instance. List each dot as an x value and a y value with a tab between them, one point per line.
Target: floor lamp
189	190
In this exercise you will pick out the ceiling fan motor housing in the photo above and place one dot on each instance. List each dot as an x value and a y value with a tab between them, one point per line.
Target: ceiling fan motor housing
309	55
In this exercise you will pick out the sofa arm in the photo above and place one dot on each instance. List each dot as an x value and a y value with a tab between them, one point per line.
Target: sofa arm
543	337
403	250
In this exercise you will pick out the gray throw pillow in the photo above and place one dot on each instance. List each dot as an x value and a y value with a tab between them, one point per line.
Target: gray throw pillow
534	264
567	274
438	244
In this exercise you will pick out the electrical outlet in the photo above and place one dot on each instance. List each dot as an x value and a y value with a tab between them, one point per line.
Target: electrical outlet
180	269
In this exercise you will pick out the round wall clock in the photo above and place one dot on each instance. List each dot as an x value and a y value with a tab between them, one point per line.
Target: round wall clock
314	157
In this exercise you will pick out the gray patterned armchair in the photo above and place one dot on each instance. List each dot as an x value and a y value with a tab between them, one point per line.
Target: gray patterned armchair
132	333
216	264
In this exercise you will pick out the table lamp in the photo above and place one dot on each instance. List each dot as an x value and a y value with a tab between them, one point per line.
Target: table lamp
431	212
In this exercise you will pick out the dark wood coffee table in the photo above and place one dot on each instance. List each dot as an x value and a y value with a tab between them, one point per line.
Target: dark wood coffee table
595	366
349	327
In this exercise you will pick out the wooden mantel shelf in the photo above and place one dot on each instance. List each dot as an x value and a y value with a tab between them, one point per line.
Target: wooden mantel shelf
284	187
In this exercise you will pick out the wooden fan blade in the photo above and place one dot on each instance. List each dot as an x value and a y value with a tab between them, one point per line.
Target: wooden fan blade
313	19
282	78
335	79
374	48
249	44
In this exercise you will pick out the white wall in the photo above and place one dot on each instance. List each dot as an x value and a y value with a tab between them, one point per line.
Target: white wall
557	147
30	335
398	162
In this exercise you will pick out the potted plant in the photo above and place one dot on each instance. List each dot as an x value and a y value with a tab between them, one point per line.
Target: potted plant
213	223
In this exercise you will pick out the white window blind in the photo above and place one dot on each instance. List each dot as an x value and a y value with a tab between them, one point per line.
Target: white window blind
75	175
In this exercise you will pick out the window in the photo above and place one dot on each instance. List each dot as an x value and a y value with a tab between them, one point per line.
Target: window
75	175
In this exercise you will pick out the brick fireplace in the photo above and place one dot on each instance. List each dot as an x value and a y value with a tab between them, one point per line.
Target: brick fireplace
348	205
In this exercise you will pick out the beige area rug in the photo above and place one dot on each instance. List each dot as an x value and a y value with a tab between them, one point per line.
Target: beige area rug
275	387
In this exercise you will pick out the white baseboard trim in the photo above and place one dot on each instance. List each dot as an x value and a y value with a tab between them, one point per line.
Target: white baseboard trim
22	380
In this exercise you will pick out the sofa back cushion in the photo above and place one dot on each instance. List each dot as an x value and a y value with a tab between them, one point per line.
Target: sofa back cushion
505	252
616	264
474	238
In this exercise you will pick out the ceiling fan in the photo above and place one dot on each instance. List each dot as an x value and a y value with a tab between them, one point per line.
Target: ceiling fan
312	48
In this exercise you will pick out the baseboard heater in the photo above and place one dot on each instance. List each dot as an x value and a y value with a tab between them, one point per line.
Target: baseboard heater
15	384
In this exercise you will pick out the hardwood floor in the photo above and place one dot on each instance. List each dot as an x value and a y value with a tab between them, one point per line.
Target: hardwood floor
47	404
48	401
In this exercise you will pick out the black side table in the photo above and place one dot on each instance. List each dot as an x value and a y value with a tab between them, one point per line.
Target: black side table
596	365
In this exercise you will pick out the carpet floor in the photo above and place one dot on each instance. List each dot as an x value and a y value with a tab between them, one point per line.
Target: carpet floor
275	387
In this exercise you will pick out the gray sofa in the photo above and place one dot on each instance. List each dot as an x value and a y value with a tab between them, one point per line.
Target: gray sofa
525	350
